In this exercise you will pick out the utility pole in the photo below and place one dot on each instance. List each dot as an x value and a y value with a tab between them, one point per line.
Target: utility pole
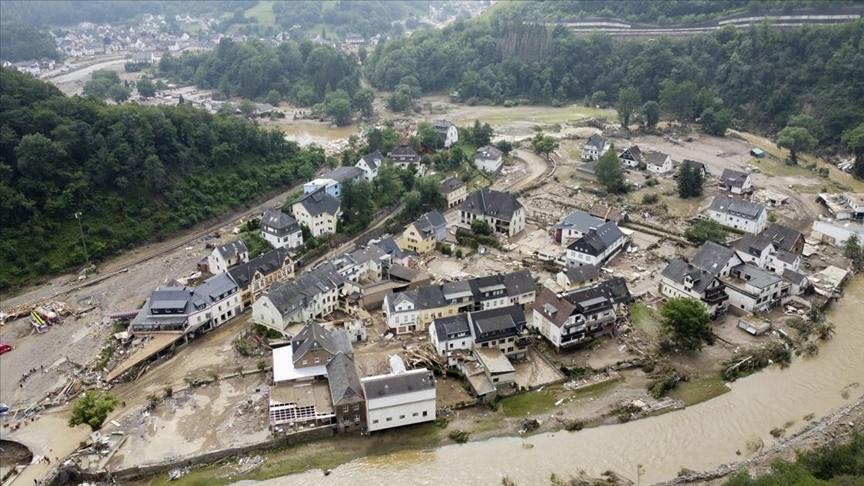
81	227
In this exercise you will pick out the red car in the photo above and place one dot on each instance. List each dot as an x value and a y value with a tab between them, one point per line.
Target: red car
5	348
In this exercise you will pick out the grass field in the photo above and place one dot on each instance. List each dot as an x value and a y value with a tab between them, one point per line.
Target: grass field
698	391
534	114
644	319
528	404
264	12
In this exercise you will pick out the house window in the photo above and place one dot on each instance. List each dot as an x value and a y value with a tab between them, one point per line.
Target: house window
389	419
494	380
415	414
318	360
356	407
356	418
401	417
424	413
375	421
345	409
305	362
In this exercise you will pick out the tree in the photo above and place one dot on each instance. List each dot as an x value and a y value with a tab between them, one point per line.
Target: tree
429	136
716	122
274	97
480	227
146	88
806	121
651	112
93	409
609	172
504	146
853	250
705	230
337	104
481	134
544	145
854	141
686	322
358	204
796	139
361	54
119	93
678	100
247	108
628	101
362	102
689	181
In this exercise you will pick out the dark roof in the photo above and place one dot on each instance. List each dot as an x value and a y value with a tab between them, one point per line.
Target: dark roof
656	158
755	276
557	308
677	270
733	178
389	246
596	141
343	379
266	264
429	223
398	384
442	126
490	202
737	207
794	277
786	256
229	250
579	220
451	184
712	257
281	222
404	152
447	326
370	159
314	337
698	165
430	296
583	273
782	237
401	272
289	296
342	173
497	323
319	202
519	283
596	241
606	213
633	153
588	166
488	152
752	244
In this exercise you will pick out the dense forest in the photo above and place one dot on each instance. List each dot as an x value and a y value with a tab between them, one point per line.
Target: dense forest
300	72
764	75
20	41
71	12
134	173
367	18
660	12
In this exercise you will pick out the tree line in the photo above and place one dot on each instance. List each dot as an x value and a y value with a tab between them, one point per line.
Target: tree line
134	173
757	77
20	41
299	72
367	18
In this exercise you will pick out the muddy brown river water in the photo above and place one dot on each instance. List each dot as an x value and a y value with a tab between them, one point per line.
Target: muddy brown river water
699	437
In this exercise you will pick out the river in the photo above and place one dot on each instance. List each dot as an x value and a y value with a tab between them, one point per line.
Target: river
699	437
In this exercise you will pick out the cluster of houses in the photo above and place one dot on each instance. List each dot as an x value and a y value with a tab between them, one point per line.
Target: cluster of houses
656	163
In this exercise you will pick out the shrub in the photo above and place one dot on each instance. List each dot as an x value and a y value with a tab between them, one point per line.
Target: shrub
650	198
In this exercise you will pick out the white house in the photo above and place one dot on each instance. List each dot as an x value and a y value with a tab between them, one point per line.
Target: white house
597	246
659	163
280	229
760	251
631	157
318	211
309	297
488	158
752	289
367	264
682	279
735	181
594	147
451	334
399	398
448	132
574	226
369	164
227	255
502	211
735	213
186	310
566	320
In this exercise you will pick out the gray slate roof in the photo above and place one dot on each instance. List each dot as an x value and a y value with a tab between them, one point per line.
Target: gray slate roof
733	178
451	326
404	153
342	379
752	244
266	264
342	173
497	323
757	278
736	207
319	202
389	246
633	153
596	241
656	158
399	384
794	277
678	269
370	159
289	296
596	141
429	223
583	273
451	184
487	152
579	221
281	222
490	202
229	250
782	237
712	257
314	337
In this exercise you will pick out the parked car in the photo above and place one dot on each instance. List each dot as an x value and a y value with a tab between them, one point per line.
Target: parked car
5	348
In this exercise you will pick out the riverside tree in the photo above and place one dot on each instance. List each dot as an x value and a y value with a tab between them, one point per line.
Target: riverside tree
93	408
686	323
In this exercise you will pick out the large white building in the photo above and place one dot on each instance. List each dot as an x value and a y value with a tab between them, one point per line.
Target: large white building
280	229
736	213
597	246
319	211
225	256
313	295
400	398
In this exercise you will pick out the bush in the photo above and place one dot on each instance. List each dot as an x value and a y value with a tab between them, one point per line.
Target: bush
460	436
651	182
167	392
650	198
509	103
445	249
459	253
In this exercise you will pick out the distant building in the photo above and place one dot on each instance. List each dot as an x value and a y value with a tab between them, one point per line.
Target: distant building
488	158
311	296
574	278
422	235
597	246
447	131
574	226
595	147
369	164
318	211
188	310
501	211
257	275
631	157
659	163
736	182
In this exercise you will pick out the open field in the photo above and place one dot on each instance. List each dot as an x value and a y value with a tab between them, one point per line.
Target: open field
264	12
